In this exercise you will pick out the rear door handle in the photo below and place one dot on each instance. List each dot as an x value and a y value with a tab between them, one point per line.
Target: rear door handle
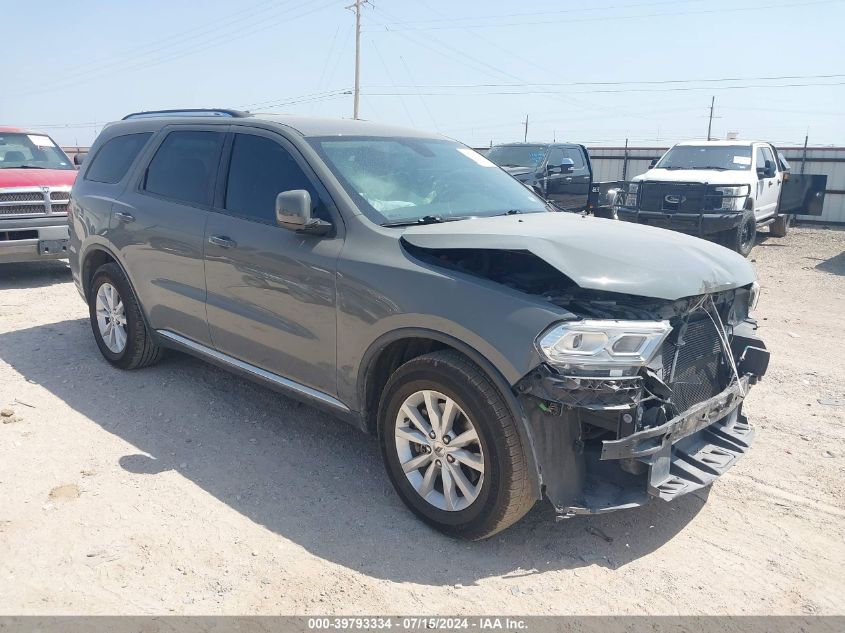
221	241
124	217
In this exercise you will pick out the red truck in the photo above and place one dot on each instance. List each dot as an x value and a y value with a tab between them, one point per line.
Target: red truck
35	181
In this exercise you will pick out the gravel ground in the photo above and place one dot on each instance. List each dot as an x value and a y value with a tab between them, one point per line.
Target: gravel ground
183	489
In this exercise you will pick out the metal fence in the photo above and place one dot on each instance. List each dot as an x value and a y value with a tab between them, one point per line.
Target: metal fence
620	163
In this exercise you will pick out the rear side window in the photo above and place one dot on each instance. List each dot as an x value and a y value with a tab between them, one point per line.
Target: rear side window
184	167
259	170
115	157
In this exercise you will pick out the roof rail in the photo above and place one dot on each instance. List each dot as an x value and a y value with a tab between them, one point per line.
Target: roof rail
193	112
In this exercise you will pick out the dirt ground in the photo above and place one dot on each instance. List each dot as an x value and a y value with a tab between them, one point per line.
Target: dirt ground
183	489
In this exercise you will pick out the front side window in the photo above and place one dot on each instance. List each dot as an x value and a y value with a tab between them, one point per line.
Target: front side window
184	166
31	151
400	180
557	155
115	157
517	155
718	157
259	170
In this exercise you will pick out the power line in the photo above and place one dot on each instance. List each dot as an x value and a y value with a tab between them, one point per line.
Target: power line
721	11
578	92
620	83
239	33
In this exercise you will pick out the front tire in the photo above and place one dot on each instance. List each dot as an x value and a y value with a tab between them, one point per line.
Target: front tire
742	238
117	323
451	447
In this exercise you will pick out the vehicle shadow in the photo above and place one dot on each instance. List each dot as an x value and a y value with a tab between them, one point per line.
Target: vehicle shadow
834	265
306	476
34	274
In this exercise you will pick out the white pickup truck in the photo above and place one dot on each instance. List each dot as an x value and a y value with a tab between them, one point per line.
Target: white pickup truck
723	190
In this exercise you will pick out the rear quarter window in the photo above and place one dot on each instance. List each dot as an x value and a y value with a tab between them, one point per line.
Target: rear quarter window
115	157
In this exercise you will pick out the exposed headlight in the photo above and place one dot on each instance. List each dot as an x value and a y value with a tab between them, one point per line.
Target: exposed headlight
631	194
753	297
732	198
596	343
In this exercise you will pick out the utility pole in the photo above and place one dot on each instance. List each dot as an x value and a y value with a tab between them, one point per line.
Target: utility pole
356	6
710	122
525	136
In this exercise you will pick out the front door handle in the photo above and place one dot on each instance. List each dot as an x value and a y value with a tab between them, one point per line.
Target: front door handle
771	183
124	217
221	241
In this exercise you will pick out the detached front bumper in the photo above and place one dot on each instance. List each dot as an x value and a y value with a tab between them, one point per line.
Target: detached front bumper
691	223
33	239
688	452
600	447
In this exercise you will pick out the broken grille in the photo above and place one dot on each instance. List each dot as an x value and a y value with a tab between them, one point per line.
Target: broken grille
698	371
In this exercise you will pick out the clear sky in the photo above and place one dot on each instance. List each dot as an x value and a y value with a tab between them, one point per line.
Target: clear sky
594	72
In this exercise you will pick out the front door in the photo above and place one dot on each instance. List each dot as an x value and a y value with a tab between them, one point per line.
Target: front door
271	291
768	183
568	189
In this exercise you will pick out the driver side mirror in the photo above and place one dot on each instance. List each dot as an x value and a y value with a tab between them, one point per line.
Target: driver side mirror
652	163
566	166
293	212
767	171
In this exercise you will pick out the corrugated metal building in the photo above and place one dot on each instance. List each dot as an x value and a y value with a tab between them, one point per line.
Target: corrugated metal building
609	164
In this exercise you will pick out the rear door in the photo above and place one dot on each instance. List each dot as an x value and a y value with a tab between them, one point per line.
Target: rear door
158	225
271	291
768	184
571	189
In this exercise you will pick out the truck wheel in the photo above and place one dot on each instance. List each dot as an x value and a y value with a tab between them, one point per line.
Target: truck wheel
780	227
741	239
451	447
116	321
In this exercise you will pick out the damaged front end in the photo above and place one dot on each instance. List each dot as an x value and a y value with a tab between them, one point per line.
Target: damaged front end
641	398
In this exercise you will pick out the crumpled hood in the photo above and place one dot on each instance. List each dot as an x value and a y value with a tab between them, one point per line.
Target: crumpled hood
600	254
712	176
37	177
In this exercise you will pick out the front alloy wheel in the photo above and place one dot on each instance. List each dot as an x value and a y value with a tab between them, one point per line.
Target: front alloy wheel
452	448
439	449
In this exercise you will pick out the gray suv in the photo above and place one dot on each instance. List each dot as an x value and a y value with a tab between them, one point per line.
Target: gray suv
501	353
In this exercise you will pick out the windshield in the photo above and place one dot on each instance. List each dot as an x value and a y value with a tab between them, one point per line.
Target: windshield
398	180
720	157
34	151
517	155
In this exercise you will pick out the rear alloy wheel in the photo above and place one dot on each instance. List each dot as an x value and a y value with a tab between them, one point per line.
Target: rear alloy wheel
451	446
111	318
117	323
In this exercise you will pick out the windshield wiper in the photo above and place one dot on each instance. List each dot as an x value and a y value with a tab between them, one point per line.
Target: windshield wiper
24	167
429	219
714	167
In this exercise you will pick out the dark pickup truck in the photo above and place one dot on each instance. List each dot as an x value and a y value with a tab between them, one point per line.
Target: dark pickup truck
559	172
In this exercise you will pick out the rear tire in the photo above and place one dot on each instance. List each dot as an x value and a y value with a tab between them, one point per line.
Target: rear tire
487	488
741	239
117	322
780	227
